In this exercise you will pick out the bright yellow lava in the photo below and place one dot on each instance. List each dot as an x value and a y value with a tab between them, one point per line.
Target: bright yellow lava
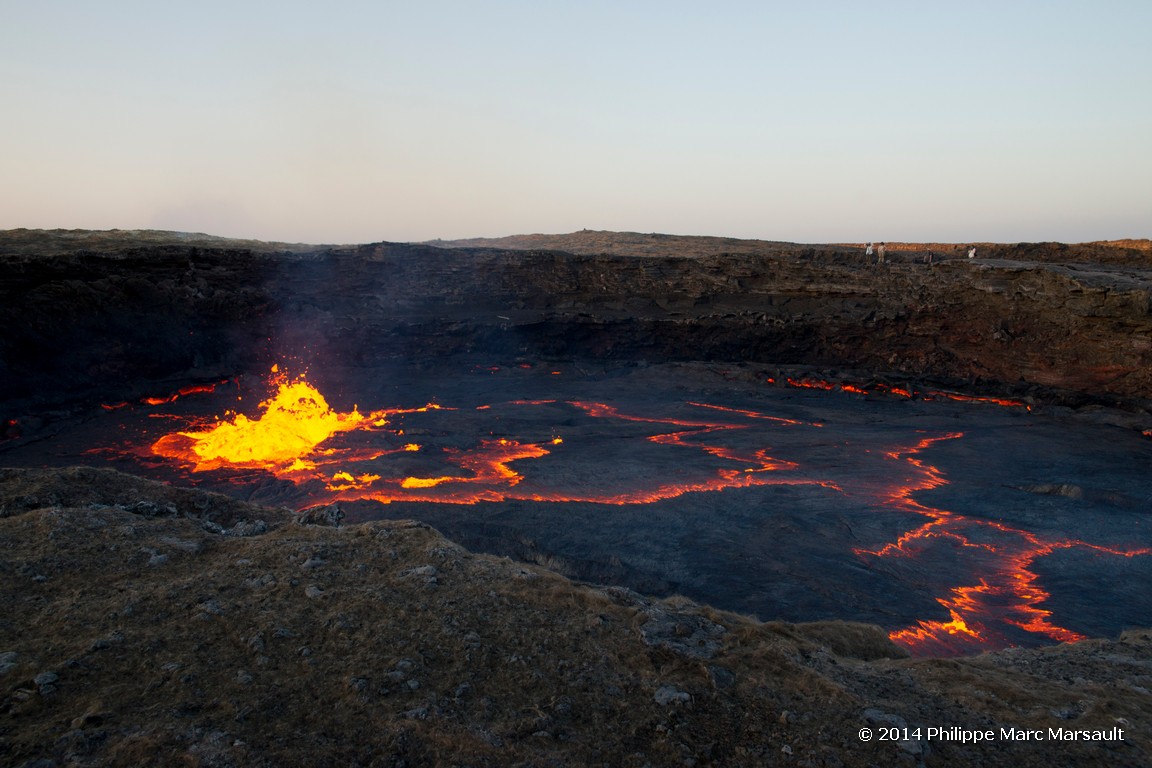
292	423
425	482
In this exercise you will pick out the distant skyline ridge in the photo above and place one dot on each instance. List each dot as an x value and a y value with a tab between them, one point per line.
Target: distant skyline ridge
583	241
536	238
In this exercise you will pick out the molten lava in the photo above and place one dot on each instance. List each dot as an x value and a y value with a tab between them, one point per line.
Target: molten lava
292	424
1007	592
333	456
904	392
192	389
294	437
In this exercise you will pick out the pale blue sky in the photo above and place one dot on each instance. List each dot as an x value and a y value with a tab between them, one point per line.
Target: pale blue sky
818	121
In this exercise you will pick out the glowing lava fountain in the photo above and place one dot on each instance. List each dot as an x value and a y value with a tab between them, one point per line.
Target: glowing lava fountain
293	423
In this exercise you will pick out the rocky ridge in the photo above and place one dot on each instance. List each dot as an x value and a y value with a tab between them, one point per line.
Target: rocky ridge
100	319
152	625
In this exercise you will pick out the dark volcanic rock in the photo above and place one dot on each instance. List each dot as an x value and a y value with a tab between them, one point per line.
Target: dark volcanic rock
21	490
110	323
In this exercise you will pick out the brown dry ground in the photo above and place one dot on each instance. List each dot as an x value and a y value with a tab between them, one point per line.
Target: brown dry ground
595	242
148	625
42	243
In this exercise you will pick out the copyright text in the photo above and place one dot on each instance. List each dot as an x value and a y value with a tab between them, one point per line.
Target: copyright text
970	735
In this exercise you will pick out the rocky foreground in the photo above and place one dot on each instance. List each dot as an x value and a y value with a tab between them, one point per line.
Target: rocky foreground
150	625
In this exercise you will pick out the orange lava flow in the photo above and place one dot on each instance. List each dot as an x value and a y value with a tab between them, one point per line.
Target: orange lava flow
489	476
298	438
195	389
905	392
292	424
294	437
192	389
812	384
1003	401
1007	592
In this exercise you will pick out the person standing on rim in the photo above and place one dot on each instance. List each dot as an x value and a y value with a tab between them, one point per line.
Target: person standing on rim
868	251
880	253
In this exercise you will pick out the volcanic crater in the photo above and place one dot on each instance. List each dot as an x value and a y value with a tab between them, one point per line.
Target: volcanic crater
785	431
953	449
